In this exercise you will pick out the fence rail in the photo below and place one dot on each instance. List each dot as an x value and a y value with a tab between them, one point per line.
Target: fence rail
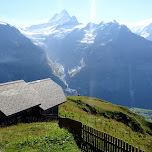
93	140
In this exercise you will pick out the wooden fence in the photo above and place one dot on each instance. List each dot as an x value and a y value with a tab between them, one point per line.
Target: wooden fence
93	140
97	141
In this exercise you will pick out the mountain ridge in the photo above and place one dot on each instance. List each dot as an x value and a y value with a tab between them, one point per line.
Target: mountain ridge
104	60
108	53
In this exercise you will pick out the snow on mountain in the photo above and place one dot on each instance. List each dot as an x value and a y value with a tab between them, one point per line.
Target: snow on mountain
62	18
142	28
91	30
139	26
59	26
88	37
76	70
58	70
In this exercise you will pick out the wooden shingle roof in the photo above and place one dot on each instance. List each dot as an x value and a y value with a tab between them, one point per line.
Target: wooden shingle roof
51	93
17	96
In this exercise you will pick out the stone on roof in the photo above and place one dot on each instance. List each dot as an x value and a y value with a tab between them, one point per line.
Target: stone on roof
51	93
17	96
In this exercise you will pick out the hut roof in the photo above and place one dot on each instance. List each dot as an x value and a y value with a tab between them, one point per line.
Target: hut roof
51	93
17	96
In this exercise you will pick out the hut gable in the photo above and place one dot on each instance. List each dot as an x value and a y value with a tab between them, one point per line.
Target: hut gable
17	96
51	93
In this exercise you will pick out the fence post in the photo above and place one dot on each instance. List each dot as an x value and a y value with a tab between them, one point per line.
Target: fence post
108	141
89	136
118	144
92	139
129	148
111	144
86	138
104	136
124	146
121	146
115	144
97	140
82	137
132	148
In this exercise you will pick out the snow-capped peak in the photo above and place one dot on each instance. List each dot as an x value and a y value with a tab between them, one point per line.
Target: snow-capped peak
63	15
61	18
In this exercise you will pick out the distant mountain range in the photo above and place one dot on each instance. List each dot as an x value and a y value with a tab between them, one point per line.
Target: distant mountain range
103	60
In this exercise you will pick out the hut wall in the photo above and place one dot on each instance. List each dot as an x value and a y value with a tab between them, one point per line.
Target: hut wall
2	117
27	115
53	110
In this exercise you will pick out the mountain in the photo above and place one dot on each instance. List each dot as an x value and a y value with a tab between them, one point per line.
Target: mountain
61	19
117	68
20	58
103	60
59	25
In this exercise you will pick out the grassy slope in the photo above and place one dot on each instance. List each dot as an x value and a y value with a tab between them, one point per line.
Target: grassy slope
115	120
36	137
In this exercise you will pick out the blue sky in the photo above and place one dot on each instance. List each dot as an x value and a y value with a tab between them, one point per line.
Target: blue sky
27	12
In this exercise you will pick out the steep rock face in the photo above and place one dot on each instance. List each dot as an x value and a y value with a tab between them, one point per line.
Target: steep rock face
20	58
117	63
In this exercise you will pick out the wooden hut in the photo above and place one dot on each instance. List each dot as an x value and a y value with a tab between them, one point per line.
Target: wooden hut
20	100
